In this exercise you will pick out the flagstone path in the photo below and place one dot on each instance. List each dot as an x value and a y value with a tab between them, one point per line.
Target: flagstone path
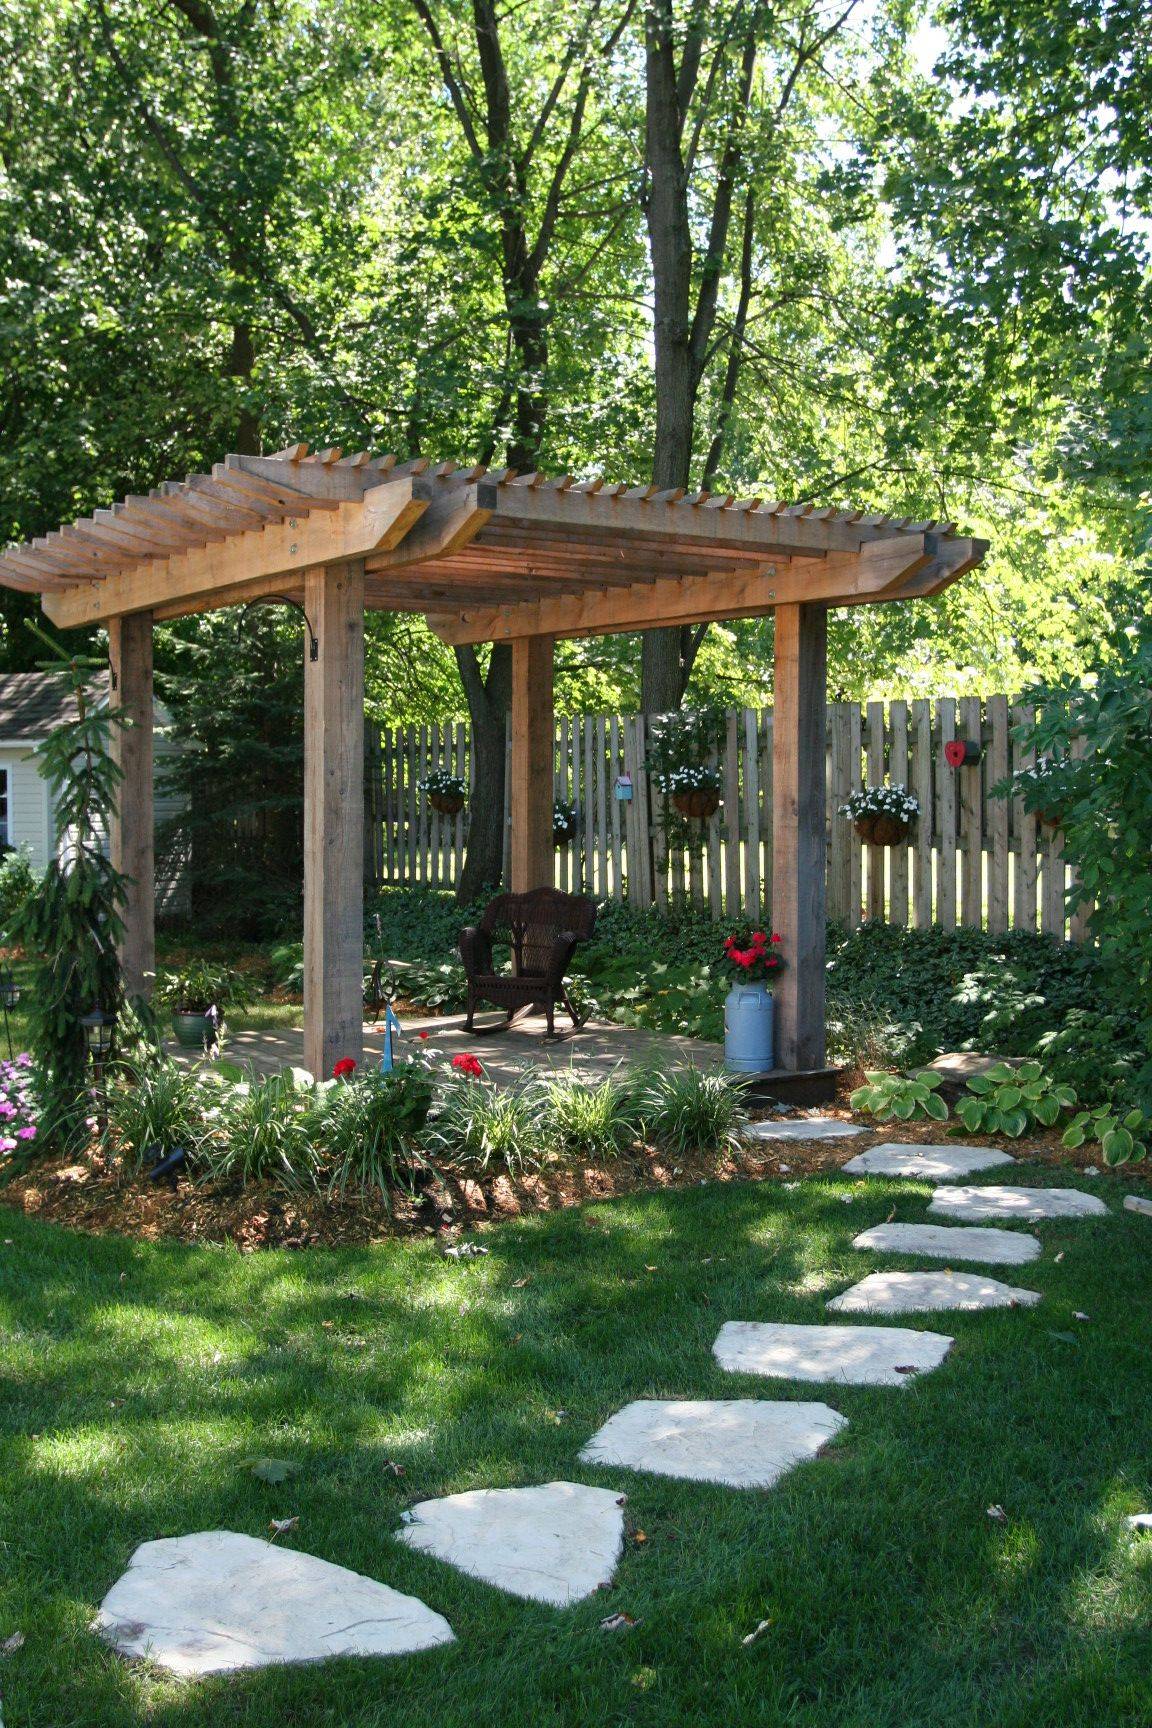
1007	1203
940	1242
915	1292
216	1601
929	1163
850	1355
803	1128
552	1544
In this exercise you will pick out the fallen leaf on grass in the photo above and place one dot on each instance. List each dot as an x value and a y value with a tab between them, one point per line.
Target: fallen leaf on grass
751	1637
618	1623
907	1368
281	1526
272	1470
464	1251
1059	1256
1076	1315
520	1283
998	1514
1064	1337
10	1645
638	1537
391	1465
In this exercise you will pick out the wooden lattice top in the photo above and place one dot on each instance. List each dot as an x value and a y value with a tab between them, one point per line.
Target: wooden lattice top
483	552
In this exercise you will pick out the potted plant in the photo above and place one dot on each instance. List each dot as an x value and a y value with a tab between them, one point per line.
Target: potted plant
1043	787
882	815
564	822
191	992
694	791
753	963
446	792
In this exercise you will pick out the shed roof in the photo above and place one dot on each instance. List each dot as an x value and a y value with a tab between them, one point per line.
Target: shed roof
33	703
483	553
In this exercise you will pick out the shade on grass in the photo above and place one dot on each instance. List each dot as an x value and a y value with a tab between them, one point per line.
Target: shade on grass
138	1379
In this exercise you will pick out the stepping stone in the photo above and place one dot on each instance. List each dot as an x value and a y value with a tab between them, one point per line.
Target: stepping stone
993	1202
803	1128
939	1242
909	1292
741	1442
961	1065
1137	1203
937	1163
216	1602
554	1544
852	1355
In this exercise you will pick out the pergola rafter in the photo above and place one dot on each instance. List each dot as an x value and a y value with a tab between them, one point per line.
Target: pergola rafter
486	556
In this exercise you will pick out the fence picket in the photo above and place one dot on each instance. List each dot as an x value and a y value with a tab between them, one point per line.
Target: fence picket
970	859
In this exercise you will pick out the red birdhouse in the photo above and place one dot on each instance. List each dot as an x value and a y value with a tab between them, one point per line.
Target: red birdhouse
960	752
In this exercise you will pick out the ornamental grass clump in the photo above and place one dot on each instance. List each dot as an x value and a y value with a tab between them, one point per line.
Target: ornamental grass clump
262	1133
481	1126
582	1119
686	1110
365	1128
160	1104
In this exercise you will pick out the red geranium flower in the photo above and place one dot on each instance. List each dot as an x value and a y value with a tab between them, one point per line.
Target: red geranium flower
343	1068
422	1034
468	1064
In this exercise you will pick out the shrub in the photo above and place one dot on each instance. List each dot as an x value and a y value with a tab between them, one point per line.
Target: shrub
195	988
1006	1100
364	1129
687	1110
440	988
480	1125
900	1096
863	1036
17	884
1099	729
263	1132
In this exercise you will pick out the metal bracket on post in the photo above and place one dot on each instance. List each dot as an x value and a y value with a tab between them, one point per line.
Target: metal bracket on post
286	600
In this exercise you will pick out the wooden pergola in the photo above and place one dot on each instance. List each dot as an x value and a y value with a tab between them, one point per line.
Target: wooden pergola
486	556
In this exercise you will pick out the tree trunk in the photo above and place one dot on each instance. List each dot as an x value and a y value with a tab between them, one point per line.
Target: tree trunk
489	699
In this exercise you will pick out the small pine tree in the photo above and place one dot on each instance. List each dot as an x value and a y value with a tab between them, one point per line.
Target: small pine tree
71	927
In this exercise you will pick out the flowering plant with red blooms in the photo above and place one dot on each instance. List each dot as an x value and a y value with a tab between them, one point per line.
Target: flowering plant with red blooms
344	1068
468	1064
752	957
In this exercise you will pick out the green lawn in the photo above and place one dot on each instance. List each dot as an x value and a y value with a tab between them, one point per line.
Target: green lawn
137	1378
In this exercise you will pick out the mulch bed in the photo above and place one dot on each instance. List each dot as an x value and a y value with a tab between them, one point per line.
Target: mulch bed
97	1197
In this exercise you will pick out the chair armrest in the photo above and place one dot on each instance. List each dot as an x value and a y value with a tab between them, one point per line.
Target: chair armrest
475	950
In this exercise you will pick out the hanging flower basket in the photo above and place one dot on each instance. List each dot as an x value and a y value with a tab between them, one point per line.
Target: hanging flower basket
446	792
881	815
700	803
564	823
880	830
693	790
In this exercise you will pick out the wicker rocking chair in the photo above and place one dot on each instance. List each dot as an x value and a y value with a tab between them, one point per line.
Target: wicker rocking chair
544	927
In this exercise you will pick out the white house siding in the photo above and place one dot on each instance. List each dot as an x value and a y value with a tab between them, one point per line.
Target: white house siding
28	823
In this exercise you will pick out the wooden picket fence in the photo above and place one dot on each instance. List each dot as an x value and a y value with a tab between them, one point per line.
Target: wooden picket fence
970	859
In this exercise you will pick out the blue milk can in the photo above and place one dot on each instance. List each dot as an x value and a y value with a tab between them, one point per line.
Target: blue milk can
749	1044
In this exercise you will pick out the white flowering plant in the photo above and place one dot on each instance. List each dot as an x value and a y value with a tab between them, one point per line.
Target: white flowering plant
697	777
564	820
444	784
894	801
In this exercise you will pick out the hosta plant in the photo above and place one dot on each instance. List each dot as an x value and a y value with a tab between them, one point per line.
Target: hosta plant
900	1096
1006	1100
1123	1135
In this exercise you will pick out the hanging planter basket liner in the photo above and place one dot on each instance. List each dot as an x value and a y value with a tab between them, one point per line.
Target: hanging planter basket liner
562	832
700	803
447	803
881	830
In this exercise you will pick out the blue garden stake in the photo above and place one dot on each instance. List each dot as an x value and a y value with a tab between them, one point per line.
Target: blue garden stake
391	1025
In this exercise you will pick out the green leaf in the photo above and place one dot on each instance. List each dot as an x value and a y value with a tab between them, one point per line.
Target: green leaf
271	1470
1117	1146
936	1108
971	1113
1009	1097
904	1108
1073	1137
1047	1111
980	1084
1014	1122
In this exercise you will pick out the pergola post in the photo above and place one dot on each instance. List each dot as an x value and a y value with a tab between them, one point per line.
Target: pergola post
334	817
132	842
798	831
532	851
